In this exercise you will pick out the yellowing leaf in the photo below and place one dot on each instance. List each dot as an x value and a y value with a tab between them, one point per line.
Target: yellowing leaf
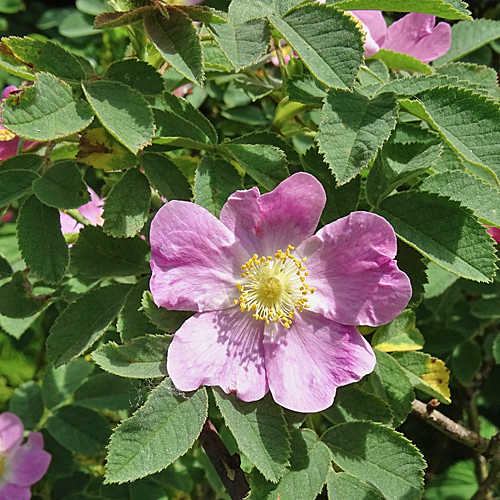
399	335
426	373
100	149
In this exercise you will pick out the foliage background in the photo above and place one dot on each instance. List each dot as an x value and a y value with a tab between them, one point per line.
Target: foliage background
458	318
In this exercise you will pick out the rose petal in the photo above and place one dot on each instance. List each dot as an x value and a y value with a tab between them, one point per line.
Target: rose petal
11	431
14	492
374	22
350	265
495	233
285	216
220	348
195	259
306	363
7	90
93	209
29	463
415	35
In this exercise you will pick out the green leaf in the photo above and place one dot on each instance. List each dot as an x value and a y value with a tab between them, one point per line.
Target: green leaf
40	240
445	240
177	40
97	255
266	446
62	186
14	184
106	391
326	40
26	403
46	111
426	373
17	299
458	482
138	447
11	64
352	403
410	86
448	9
165	176
343	486
399	335
306	89
496	349
176	118
396	164
412	263
469	190
466	361
132	322
476	74
78	429
84	321
59	384
124	215
165	320
266	164
398	60
243	44
11	6
50	57
24	161
203	14
379	456
142	357
304	479
5	268
340	200
125	113
468	122
439	280
215	181
116	19
468	36
137	74
486	308
390	383
353	128
269	139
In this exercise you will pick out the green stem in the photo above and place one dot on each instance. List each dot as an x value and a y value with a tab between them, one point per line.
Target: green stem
286	111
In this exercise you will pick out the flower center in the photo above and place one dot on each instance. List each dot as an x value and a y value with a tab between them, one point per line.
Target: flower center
274	287
2	458
5	135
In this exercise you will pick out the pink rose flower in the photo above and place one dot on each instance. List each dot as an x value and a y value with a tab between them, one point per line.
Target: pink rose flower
495	233
413	34
92	211
276	305
9	142
20	465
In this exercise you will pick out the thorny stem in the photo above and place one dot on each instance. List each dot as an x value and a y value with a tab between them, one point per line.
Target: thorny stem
226	465
484	448
450	428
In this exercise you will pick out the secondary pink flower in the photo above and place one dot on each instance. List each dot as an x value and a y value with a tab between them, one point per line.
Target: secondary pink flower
276	306
9	142
495	233
92	211
20	465
413	34
416	35
374	27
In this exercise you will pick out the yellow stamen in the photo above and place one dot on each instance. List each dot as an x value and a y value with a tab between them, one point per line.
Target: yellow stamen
273	287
